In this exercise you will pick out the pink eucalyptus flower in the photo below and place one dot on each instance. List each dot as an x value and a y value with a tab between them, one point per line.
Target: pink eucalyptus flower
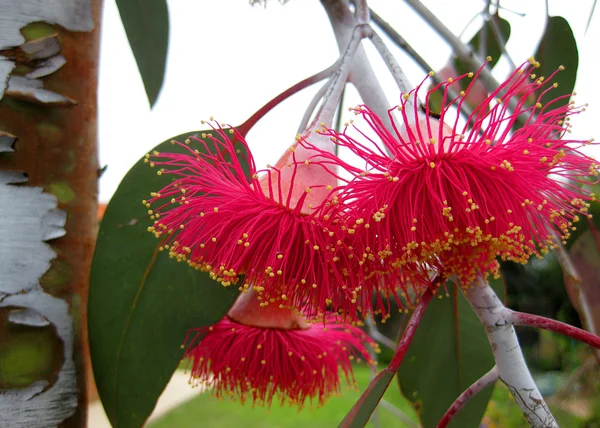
222	216
263	354
454	197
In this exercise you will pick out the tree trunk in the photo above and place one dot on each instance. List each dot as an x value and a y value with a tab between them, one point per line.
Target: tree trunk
48	188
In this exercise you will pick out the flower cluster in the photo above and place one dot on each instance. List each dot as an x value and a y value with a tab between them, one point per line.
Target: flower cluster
436	196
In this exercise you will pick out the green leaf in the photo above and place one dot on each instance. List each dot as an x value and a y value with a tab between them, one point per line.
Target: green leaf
585	294
141	302
493	45
146	23
493	48
449	352
558	47
361	412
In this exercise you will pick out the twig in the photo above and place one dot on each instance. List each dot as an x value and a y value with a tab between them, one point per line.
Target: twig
361	12
389	31
337	82
406	47
511	366
530	320
377	335
461	50
398	413
314	102
393	67
248	124
338	119
478	386
587	25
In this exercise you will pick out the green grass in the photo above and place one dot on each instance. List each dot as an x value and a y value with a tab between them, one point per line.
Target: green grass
207	412
502	411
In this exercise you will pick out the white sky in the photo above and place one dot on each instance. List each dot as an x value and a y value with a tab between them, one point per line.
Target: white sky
227	59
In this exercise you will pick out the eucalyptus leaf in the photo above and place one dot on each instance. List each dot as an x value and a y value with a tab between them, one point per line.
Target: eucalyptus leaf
147	26
141	302
449	352
558	48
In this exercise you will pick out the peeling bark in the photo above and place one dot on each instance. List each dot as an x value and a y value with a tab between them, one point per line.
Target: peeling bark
48	185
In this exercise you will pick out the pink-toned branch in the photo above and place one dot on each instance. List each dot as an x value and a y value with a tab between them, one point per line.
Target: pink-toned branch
392	368
409	332
530	320
362	12
248	124
478	386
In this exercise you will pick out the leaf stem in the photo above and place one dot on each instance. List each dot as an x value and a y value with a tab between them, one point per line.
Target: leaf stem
531	320
477	386
250	122
410	330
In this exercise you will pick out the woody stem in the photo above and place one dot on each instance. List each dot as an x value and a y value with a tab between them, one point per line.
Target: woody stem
361	75
512	368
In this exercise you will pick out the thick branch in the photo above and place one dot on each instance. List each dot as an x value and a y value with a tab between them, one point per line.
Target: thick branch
478	386
362	75
511	366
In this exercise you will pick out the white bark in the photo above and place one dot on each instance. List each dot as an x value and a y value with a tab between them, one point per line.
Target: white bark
29	217
512	368
35	406
74	15
361	75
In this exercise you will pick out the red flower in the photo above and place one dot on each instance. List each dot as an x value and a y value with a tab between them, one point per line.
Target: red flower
219	216
454	197
261	354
